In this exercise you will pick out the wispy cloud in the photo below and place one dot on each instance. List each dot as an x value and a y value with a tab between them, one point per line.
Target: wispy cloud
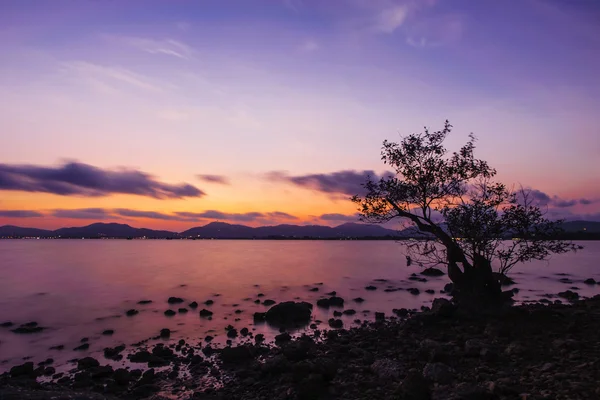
347	182
168	47
338	217
20	214
108	77
82	213
78	179
435	31
390	19
220	179
219	215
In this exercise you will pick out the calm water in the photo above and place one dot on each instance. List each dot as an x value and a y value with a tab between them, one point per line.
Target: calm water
80	288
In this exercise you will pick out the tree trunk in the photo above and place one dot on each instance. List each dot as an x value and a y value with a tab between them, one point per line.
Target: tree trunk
474	285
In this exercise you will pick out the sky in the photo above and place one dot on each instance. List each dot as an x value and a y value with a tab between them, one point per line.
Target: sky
172	114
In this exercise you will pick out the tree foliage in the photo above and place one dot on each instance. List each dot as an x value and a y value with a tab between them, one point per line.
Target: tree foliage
453	200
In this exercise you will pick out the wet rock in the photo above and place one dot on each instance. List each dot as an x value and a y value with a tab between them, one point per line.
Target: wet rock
414	291
84	340
432	272
193	305
25	369
590	281
142	302
162	351
208	338
6	324
283	338
269	302
315	289
182	310
237	354
244	331
333	293
358	300
371	287
232	333
259	317
569	295
430	291
87	363
209	302
379	316
108	332
289	314
415	387
59	347
323	303
144	391
101	372
259	338
337	313
175	300
443	307
28	328
82	347
438	373
349	312
448	287
49	371
132	312
165	333
205	313
386	368
335	323
122	377
114	353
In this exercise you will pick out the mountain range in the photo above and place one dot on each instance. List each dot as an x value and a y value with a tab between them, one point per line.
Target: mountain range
222	230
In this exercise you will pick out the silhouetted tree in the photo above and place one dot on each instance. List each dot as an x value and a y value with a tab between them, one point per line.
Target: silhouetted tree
464	215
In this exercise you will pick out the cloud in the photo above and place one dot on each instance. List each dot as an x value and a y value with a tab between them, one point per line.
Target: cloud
223	180
20	214
347	182
166	46
564	203
587	202
78	179
125	212
281	215
213	214
390	19
309	46
107	77
435	31
81	213
338	217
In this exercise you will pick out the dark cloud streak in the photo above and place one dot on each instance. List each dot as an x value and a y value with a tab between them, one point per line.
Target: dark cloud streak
346	182
20	214
220	179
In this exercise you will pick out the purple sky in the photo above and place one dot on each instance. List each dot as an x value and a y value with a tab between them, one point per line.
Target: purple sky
171	107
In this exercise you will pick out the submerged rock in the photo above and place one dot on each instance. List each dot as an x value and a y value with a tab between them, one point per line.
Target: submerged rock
193	305
569	295
175	300
87	363
269	302
590	281
132	312
142	302
432	272
209	302
336	323
205	313
371	287
170	313
108	332
165	333
358	300
289	314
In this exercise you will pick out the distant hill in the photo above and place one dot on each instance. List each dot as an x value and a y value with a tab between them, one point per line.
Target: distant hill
111	230
221	230
17	231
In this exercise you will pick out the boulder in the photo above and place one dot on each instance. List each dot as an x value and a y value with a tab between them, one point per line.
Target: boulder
349	312
569	295
30	327
170	313
25	369
358	300
433	272
335	301
209	302
175	300
414	291
269	302
193	305
438	373
336	323
182	310
289	314
122	377
237	354
87	363
205	313
165	333
590	281
443	307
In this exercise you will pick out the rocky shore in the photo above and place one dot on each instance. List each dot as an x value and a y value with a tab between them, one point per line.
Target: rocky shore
532	351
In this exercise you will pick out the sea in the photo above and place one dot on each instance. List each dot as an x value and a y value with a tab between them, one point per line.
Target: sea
77	289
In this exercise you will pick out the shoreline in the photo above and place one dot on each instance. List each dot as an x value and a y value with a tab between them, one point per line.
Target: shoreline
546	351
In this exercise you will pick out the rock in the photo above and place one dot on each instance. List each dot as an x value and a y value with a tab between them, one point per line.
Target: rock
237	354
401	312
122	377
59	347
87	363
337	313
590	281
205	313
142	302
432	272
415	387
25	369
144	391
473	347
333	293
182	310
162	351
165	333
6	324
386	369
315	289
438	373
289	314
49	371
244	331
269	302
108	332
349	312
132	312
336	323
335	301
414	291
175	300
208	338
569	295
323	303
232	333
379	316
193	305
358	300
84	340
430	291
283	338
170	313
114	353
443	307
28	328
371	287
82	347
209	302
101	372
259	338
448	287
259	317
